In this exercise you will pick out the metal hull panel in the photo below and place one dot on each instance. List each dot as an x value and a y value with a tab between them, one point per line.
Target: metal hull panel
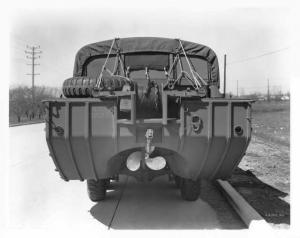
87	140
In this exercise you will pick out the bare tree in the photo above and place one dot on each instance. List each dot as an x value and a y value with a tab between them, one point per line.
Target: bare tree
19	101
42	93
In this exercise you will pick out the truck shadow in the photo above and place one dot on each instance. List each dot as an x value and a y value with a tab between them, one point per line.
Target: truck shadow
265	199
158	205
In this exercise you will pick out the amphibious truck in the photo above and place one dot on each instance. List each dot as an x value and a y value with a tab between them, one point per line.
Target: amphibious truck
146	107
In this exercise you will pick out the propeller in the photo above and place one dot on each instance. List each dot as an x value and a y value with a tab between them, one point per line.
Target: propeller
133	162
156	163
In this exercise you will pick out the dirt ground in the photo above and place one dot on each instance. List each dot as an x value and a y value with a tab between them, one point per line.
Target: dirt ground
263	176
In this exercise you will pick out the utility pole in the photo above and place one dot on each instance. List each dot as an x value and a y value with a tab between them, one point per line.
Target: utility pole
237	88
268	90
33	54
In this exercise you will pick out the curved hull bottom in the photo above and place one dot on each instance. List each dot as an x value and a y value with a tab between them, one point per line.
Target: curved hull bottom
207	141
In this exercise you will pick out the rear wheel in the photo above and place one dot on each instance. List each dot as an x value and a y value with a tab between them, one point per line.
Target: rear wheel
190	189
115	178
107	183
177	180
97	189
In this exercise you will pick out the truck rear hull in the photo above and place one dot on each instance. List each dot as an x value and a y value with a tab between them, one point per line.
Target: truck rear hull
206	141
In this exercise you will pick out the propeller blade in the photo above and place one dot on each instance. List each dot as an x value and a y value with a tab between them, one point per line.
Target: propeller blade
156	163
133	162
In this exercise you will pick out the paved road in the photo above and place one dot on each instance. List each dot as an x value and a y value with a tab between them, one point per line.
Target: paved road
38	198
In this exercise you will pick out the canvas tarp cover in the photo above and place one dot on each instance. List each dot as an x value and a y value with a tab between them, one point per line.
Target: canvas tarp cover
156	61
146	44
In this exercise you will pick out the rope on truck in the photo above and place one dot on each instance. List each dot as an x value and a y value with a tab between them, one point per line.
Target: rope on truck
195	76
117	62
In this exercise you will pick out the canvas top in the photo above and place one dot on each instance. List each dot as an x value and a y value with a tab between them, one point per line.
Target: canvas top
146	44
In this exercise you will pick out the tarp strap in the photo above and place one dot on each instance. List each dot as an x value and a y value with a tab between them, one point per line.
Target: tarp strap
121	63
173	64
183	73
201	79
99	79
195	80
116	65
118	60
170	81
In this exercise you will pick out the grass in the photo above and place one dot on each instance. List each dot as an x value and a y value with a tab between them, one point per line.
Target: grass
271	121
272	106
267	161
268	155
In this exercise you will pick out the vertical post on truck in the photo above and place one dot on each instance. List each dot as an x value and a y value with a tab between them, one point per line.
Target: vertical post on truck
268	91
224	88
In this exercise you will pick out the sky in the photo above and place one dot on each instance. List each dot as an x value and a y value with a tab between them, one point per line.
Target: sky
257	41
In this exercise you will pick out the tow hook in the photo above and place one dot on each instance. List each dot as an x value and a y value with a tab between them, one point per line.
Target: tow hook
157	162
149	148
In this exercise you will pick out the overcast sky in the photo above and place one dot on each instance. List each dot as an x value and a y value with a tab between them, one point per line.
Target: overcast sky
240	33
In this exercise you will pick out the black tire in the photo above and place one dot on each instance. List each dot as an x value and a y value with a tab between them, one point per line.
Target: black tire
83	86
190	189
97	189
107	183
115	178
78	87
177	180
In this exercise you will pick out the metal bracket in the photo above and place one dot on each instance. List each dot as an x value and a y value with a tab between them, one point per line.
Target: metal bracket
149	148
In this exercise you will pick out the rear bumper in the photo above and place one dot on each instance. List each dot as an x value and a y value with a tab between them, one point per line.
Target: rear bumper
87	140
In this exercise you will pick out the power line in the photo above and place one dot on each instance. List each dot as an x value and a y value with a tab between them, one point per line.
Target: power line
258	56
